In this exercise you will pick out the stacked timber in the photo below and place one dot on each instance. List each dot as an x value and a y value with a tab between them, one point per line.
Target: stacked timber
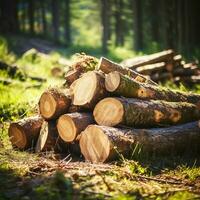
165	66
105	110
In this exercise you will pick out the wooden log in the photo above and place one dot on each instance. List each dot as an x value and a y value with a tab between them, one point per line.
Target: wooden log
162	77
187	80
101	143
72	75
24	133
119	84
108	66
70	125
88	90
180	71
53	103
151	68
164	56
48	138
140	113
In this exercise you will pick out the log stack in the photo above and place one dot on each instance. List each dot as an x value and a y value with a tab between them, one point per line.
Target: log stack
165	66
105	111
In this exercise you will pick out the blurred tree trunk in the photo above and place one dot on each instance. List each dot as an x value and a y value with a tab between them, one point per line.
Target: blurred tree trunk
137	24
67	22
55	20
105	10
43	15
9	16
119	31
31	16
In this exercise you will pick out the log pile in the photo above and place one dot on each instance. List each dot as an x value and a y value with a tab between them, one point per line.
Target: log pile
105	110
165	66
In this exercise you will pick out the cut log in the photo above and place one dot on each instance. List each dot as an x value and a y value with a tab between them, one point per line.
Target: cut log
124	86
161	77
70	125
48	138
24	133
88	90
101	143
54	103
180	71
108	66
72	75
74	108
151	69
140	113
164	56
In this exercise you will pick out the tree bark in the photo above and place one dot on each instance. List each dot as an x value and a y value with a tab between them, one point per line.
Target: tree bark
70	125
24	133
88	90
72	75
108	66
140	113
54	103
124	86
110	142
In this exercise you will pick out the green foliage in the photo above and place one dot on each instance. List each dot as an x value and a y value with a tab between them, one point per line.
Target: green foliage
5	55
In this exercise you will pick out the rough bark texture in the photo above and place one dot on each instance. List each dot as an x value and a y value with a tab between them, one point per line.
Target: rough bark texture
108	66
88	90
48	138
131	88
24	133
172	140
140	113
70	125
164	56
54	103
72	75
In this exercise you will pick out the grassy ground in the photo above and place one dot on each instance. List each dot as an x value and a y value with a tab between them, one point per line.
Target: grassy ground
24	175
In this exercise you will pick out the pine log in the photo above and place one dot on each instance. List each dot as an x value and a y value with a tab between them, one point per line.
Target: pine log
53	103
164	56
151	68
180	71
101	143
124	86
161	77
48	138
72	75
140	113
108	66
88	90
24	133
70	125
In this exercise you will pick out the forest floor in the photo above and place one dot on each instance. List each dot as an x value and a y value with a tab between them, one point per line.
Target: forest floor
26	175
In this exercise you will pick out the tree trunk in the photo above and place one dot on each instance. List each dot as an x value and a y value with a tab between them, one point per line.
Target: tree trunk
124	86
88	90
24	133
70	125
105	24
55	20
43	14
137	25
48	138
31	16
54	103
108	66
110	142
140	113
67	22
